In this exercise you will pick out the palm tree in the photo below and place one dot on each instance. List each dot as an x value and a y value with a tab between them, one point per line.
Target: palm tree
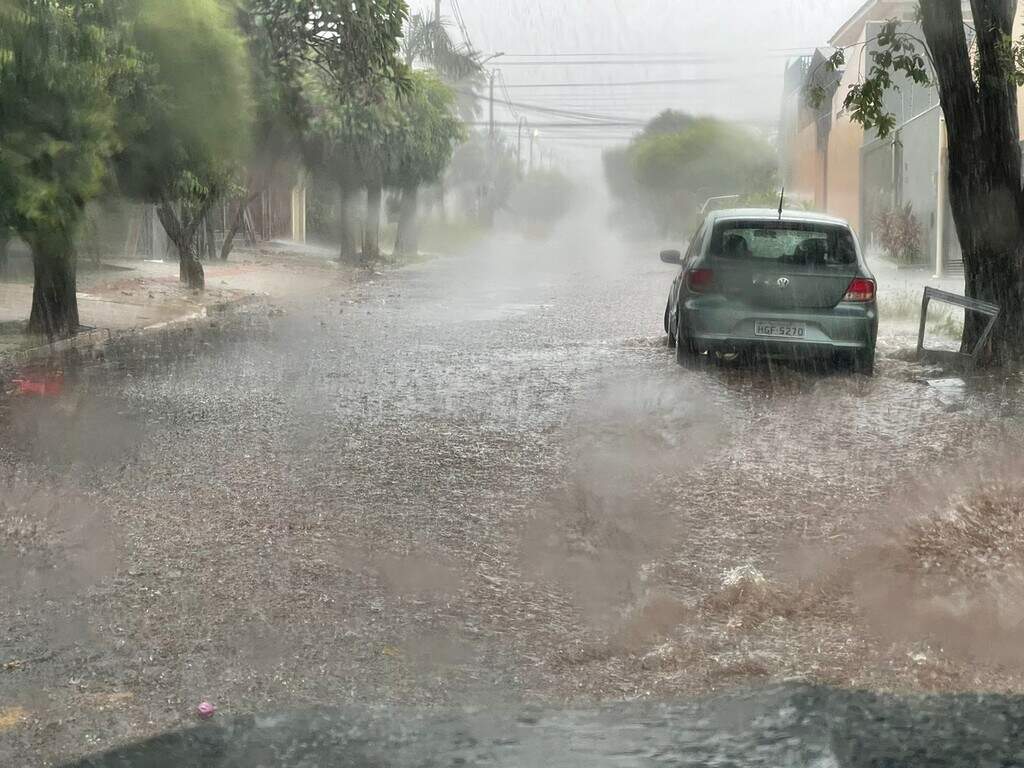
428	42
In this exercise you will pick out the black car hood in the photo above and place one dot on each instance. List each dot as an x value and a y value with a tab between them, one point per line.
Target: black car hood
779	726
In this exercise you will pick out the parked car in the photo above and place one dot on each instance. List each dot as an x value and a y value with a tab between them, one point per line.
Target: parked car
789	283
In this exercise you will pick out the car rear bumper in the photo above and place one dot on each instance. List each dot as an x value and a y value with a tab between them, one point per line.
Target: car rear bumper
724	325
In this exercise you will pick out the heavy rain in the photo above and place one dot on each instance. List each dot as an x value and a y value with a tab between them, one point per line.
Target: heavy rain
343	419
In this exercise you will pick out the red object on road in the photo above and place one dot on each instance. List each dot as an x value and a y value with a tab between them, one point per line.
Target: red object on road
43	385
205	710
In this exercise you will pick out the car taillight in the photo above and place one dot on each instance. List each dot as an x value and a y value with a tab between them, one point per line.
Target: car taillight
861	289
700	280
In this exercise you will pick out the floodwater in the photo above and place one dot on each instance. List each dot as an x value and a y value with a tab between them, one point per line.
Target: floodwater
484	480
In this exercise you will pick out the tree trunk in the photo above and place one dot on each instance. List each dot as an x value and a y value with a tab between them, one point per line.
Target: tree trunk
211	237
54	300
347	226
236	224
182	233
4	243
407	241
984	163
371	233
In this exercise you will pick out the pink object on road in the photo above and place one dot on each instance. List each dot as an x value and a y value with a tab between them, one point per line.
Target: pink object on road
205	710
51	385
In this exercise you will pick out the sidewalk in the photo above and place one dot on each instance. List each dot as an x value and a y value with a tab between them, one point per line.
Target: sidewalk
911	282
128	295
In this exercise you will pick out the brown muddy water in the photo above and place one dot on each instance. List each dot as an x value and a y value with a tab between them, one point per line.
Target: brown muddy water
485	480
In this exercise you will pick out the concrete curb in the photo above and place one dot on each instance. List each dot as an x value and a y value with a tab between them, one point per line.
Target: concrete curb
99	338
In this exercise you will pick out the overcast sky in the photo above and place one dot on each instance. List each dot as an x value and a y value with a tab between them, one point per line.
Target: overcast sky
740	46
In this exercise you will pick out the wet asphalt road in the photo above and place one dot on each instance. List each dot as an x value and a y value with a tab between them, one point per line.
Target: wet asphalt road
478	480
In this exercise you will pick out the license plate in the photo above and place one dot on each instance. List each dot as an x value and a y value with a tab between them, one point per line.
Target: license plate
780	330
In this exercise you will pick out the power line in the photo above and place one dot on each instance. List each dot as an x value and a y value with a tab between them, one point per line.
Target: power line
508	97
551	110
636	62
629	84
630	124
659	54
457	10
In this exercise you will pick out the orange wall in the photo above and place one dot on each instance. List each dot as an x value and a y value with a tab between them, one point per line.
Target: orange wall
806	182
844	171
832	184
844	146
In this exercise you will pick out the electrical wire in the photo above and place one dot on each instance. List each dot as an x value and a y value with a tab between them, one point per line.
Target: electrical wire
624	124
507	95
461	22
627	84
575	114
637	62
642	54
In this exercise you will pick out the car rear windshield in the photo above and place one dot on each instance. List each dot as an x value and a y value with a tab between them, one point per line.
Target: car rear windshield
784	242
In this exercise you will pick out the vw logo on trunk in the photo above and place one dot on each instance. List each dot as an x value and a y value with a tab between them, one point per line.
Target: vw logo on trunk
783	283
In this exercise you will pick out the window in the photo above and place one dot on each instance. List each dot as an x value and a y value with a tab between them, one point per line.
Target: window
792	243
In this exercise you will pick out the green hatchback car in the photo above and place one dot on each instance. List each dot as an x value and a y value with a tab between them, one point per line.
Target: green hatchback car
792	284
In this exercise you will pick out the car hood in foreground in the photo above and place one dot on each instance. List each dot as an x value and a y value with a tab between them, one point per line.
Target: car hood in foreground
791	725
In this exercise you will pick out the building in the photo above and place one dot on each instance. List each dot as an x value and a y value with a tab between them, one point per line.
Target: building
834	165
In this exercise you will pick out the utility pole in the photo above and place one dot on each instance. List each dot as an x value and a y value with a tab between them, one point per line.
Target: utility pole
437	9
533	136
493	74
519	147
490	132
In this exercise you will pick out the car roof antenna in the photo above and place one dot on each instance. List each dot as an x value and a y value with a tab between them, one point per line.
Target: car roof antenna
782	197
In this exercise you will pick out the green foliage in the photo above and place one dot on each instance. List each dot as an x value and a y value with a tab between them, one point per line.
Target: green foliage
399	140
428	42
349	139
352	43
427	132
483	172
899	231
58	63
187	116
279	107
675	172
667	121
618	173
898	52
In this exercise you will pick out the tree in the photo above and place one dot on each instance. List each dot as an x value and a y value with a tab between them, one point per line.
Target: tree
427	133
977	81
351	139
186	119
287	40
542	198
280	113
428	42
675	172
483	173
351	43
667	121
5	242
60	65
618	173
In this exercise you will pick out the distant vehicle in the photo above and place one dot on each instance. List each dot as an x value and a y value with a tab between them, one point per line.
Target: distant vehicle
784	283
714	203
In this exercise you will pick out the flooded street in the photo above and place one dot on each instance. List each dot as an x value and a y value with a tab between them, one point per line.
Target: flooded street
484	480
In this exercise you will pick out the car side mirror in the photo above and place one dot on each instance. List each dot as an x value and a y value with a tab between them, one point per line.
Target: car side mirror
672	257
